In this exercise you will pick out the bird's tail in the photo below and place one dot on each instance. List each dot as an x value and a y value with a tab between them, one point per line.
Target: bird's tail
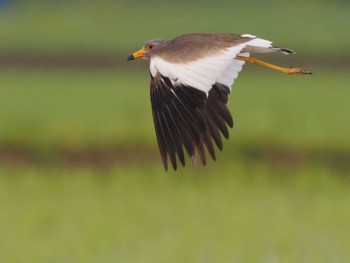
259	45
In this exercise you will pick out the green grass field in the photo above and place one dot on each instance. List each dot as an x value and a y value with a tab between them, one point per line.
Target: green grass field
242	214
81	179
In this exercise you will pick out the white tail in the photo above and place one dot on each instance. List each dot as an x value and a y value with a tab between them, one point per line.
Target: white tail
259	45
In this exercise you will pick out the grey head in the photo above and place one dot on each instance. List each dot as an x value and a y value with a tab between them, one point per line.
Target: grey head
149	49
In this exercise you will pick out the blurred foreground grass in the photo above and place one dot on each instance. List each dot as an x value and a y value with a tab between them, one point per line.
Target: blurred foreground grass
240	214
233	210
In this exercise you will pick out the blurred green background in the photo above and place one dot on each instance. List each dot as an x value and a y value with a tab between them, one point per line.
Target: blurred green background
81	179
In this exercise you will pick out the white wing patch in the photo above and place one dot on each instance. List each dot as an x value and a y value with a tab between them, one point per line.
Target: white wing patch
202	74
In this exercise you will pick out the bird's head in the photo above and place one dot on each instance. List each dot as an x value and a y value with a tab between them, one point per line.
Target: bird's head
149	48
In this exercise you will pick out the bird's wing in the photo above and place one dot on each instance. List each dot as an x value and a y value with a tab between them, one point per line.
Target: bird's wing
186	118
189	104
204	72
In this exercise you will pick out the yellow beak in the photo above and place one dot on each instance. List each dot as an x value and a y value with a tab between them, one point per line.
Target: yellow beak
138	54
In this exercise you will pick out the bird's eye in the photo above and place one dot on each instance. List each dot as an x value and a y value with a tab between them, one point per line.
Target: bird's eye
150	47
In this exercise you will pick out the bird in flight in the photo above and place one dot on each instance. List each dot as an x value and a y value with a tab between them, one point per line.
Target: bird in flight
191	78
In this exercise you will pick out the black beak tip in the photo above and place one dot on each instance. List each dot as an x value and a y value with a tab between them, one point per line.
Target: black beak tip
131	57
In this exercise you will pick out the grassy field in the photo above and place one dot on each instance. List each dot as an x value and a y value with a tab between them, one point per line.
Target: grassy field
242	214
237	209
81	179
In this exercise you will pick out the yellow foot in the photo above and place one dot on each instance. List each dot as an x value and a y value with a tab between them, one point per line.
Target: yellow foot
292	70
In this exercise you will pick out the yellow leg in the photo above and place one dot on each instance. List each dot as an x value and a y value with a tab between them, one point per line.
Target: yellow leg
265	64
